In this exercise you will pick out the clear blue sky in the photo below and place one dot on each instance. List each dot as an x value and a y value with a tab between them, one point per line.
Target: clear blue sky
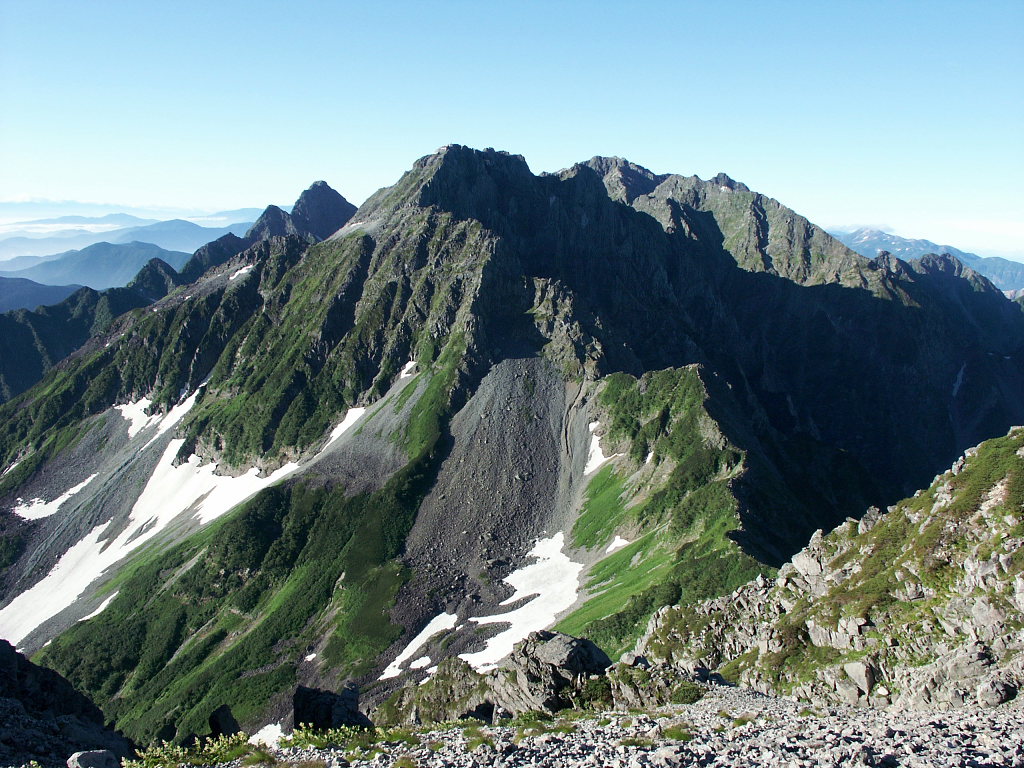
904	114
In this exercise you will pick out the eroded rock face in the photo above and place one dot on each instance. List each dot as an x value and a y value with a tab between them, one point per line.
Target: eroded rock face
43	718
916	608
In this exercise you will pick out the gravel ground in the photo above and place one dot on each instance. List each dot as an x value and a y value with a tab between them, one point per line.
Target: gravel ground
728	727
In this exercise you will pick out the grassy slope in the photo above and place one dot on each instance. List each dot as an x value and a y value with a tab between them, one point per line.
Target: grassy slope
684	551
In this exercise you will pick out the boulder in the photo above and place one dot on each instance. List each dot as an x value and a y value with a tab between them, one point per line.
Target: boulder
992	693
546	671
543	666
97	758
862	674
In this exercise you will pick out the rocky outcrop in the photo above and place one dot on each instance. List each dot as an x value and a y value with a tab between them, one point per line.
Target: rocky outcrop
546	672
43	718
918	607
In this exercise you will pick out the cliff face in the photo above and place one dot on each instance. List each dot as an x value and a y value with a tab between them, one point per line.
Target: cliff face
921	606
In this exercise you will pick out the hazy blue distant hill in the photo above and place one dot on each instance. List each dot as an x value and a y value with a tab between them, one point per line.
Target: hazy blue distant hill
177	234
101	265
1007	275
24	262
19	293
174	235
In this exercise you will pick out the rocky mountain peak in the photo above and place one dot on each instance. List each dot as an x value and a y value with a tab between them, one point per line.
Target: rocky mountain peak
624	180
722	180
273	222
321	211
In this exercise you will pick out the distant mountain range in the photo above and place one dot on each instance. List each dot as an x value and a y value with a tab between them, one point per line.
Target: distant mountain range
99	266
1005	274
19	293
175	234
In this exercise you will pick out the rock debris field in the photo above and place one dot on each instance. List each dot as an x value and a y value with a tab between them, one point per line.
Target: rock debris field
728	727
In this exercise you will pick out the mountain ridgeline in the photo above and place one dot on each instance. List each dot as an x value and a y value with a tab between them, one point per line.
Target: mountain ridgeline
340	448
1005	274
33	341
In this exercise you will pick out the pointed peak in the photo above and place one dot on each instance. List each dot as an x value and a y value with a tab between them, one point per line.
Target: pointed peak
273	222
321	211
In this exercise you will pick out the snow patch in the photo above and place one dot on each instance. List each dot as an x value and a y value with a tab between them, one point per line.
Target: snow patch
101	609
407	370
11	468
552	581
351	417
37	509
243	271
596	457
268	736
170	492
168	422
420	663
136	416
959	379
439	623
618	543
310	657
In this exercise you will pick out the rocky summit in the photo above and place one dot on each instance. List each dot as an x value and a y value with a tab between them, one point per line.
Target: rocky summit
453	453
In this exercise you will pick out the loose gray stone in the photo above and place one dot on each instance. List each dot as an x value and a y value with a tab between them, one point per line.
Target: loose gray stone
98	758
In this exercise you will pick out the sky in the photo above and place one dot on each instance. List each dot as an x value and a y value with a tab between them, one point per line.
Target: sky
906	115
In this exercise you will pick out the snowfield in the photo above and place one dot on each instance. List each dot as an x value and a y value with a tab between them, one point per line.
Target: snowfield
351	417
617	544
37	509
596	458
243	271
101	609
553	582
135	414
440	623
189	491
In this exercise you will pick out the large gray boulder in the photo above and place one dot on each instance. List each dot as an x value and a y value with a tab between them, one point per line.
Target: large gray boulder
96	758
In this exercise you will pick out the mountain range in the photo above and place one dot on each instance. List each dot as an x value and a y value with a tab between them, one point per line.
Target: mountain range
174	235
354	443
101	265
1005	274
20	293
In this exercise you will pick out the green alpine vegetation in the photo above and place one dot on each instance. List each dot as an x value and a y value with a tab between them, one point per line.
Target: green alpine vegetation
227	615
681	507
